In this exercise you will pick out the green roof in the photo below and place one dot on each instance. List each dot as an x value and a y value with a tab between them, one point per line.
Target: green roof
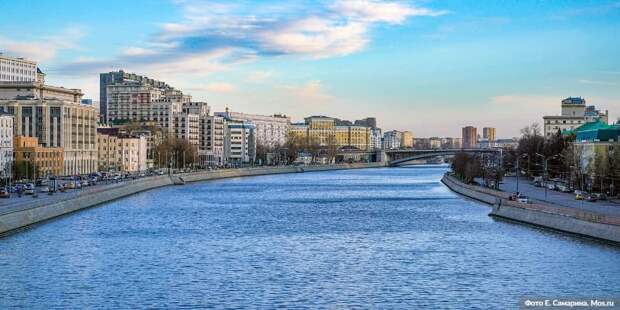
598	125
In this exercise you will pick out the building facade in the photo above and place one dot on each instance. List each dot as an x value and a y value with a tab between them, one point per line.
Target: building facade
44	161
488	133
324	131
6	145
406	139
574	114
271	131
469	137
55	116
240	142
17	69
118	152
392	139
212	136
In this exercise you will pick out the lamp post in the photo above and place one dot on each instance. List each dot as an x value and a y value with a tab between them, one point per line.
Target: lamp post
519	170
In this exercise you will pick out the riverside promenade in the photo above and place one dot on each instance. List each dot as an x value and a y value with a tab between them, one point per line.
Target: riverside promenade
603	223
19	213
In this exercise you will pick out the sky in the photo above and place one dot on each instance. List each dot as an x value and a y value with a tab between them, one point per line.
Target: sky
430	67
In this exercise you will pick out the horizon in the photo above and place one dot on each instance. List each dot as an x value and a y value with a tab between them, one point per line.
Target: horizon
429	67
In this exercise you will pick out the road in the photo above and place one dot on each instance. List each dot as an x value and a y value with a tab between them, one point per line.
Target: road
562	199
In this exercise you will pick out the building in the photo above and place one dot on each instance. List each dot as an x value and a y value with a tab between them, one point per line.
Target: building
406	139
574	114
366	122
376	138
212	136
56	117
187	127
392	139
240	142
507	143
469	137
328	131
42	161
6	145
118	78
17	69
119	152
435	143
488	133
271	131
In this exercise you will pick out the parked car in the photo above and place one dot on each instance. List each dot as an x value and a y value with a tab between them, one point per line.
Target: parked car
550	186
4	193
590	198
564	188
600	196
524	199
71	185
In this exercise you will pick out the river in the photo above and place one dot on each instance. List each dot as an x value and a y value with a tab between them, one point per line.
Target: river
370	238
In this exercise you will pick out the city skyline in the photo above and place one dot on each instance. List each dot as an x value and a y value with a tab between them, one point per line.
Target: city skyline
496	65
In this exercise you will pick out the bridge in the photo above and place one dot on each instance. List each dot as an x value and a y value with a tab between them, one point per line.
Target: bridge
398	157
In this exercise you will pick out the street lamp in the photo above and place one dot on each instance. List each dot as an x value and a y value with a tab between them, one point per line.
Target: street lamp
545	166
519	170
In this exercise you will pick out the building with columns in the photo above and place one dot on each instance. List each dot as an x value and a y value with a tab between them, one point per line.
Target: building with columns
56	117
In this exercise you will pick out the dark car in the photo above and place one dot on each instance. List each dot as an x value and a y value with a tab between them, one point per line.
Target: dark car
4	193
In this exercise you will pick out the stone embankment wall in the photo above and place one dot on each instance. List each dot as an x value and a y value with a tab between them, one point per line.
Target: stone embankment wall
572	220
44	208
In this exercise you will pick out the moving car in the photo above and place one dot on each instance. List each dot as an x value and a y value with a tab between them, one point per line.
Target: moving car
524	199
29	189
590	198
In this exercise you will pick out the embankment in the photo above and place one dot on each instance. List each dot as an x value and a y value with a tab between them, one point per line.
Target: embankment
585	223
20	215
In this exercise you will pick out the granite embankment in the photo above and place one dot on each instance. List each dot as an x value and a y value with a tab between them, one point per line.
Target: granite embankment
572	220
15	217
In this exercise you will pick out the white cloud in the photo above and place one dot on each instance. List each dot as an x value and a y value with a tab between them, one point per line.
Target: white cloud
381	11
259	76
44	48
602	83
220	87
312	92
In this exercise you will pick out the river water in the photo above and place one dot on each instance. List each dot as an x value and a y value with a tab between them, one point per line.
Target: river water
371	238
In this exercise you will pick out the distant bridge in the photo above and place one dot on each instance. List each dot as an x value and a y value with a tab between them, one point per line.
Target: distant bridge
400	156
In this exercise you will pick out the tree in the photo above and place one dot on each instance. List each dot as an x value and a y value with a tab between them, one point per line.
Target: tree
24	169
531	143
261	152
292	146
175	153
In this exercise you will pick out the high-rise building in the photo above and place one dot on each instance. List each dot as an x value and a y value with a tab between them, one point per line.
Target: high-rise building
574	114
135	96
470	137
212	141
56	117
488	133
270	130
406	139
17	69
6	144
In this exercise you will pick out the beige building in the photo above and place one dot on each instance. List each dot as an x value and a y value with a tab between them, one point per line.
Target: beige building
574	114
489	134
119	152
47	161
406	139
55	116
17	69
324	131
270	130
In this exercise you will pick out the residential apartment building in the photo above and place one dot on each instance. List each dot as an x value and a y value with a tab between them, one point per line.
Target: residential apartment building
187	127
271	131
376	138
212	141
574	114
55	116
118	78
488	133
17	69
47	161
469	137
240	142
6	144
118	152
392	139
406	139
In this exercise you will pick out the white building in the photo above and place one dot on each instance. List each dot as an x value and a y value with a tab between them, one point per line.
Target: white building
6	144
212	136
240	142
392	139
376	139
270	130
574	114
17	69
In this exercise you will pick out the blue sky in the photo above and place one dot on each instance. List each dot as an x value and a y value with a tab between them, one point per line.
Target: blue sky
426	66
